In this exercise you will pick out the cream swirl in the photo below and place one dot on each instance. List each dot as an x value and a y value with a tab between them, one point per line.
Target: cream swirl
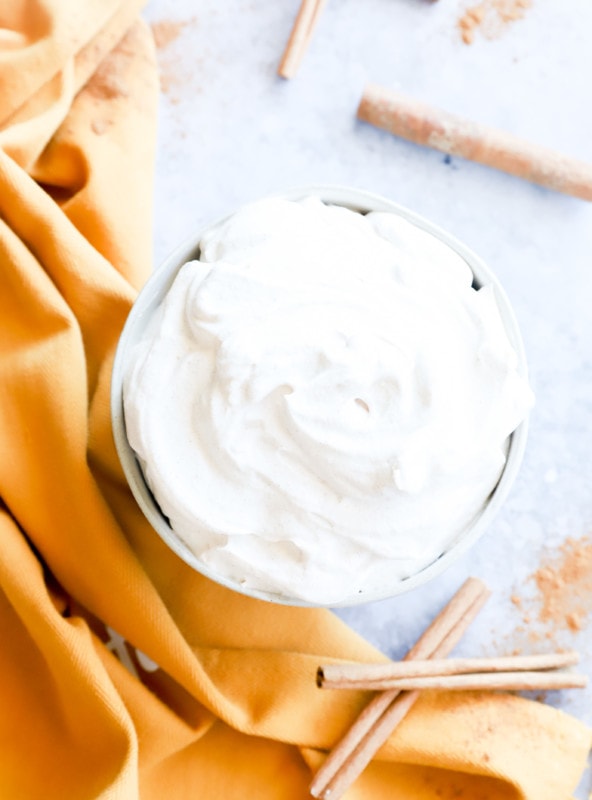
324	400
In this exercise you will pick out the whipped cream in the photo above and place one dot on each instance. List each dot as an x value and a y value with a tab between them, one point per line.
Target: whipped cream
323	402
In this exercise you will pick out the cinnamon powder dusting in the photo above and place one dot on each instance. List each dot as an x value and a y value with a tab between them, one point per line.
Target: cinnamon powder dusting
173	73
564	585
556	604
165	32
491	18
108	85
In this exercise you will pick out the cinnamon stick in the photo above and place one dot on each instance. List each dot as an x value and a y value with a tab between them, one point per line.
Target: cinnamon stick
486	681
304	25
338	676
379	718
457	136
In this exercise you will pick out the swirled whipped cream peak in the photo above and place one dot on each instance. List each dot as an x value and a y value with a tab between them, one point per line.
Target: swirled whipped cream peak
322	403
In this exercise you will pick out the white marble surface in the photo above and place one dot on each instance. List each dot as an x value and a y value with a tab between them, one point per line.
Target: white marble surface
232	131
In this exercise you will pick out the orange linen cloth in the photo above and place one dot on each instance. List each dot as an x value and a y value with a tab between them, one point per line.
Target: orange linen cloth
123	674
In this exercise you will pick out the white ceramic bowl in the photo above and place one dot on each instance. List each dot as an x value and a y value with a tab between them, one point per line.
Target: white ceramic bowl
152	295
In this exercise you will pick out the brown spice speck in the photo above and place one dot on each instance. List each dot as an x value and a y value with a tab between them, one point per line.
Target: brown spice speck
165	32
574	621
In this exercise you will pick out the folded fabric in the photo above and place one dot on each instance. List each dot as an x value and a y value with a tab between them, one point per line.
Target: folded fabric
123	673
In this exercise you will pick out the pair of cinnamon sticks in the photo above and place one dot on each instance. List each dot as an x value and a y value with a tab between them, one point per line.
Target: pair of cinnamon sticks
400	685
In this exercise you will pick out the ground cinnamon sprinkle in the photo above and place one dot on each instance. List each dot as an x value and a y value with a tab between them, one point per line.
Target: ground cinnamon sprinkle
564	584
165	32
561	605
108	84
173	74
490	17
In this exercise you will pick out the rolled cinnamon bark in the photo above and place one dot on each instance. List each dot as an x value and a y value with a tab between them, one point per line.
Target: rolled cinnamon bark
457	136
486	681
304	25
336	676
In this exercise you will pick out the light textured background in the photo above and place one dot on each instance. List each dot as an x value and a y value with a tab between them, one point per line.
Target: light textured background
232	131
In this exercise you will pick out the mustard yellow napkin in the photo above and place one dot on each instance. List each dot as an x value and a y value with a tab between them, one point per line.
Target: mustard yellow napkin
123	674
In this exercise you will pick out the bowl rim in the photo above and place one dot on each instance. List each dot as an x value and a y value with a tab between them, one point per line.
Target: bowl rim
150	297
